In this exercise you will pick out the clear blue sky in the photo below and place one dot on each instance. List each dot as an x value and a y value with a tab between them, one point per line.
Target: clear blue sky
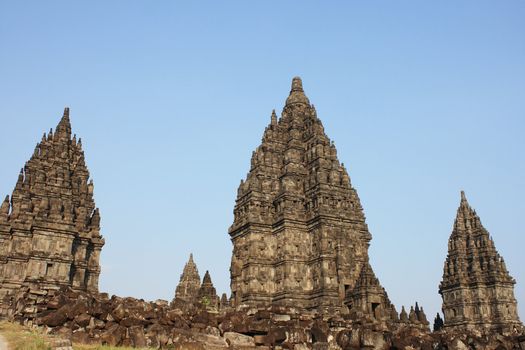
422	99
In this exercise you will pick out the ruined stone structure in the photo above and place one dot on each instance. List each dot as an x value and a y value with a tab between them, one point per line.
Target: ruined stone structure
299	233
207	294
190	290
416	317
224	302
190	282
300	272
477	290
368	296
50	228
95	318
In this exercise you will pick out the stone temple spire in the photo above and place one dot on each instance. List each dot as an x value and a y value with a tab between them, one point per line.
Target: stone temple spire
50	228
207	293
190	282
477	289
299	233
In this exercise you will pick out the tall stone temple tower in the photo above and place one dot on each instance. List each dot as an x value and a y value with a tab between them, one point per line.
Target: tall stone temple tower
50	228
477	290
299	233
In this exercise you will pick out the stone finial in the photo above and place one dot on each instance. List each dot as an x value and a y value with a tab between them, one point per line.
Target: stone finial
403	316
63	129
36	151
412	317
422	317
207	278
466	216
20	179
274	118
95	219
297	84
297	93
394	314
314	111
438	323
503	265
4	208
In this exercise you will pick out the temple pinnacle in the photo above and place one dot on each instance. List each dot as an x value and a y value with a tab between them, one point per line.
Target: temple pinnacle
207	277
464	204
274	118
297	93
297	84
64	126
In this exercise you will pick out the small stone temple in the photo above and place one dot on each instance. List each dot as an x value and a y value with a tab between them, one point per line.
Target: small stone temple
191	290
207	294
189	283
299	233
477	289
50	227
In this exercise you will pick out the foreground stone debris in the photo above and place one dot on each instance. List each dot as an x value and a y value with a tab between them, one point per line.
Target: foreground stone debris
94	318
50	227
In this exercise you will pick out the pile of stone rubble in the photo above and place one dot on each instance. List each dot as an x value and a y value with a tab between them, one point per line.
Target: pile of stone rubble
93	318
